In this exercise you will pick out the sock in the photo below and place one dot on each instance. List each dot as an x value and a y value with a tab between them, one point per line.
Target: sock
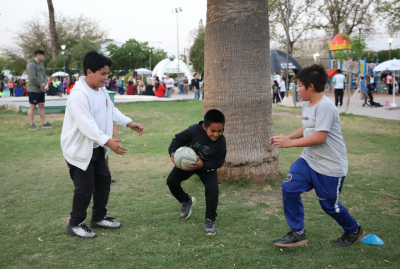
301	232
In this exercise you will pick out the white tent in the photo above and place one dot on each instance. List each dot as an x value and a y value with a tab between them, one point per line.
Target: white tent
143	71
60	74
167	66
391	65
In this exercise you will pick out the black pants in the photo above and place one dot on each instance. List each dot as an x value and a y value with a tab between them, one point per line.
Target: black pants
11	91
275	98
390	88
210	181
95	180
282	95
339	96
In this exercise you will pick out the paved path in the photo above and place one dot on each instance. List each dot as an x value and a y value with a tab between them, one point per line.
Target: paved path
355	104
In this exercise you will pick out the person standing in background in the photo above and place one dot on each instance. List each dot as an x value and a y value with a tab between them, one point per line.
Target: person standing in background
169	85
196	86
340	84
37	81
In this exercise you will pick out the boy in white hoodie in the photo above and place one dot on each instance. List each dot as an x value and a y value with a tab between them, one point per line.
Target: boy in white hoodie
86	140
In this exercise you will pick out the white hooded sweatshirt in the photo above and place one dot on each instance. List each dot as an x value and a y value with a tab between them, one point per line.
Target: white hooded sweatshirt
80	129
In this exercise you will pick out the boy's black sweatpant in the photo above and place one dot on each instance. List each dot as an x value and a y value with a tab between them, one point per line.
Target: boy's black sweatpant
95	180
210	181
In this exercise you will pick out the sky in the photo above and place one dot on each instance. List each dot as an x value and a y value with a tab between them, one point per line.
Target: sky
149	20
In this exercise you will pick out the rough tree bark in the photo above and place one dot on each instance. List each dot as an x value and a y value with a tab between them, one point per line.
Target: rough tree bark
53	32
238	82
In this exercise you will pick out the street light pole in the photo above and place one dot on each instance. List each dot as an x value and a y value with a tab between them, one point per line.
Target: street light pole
150	59
287	52
177	11
390	40
63	48
130	65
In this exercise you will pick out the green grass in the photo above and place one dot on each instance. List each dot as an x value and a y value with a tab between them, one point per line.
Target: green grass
36	195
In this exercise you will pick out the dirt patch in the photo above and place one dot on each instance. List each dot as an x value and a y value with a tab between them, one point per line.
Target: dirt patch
265	196
287	115
385	200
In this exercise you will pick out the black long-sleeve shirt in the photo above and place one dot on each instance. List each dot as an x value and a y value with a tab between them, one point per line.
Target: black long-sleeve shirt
212	153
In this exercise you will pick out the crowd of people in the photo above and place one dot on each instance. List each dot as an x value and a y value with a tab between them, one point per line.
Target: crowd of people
155	86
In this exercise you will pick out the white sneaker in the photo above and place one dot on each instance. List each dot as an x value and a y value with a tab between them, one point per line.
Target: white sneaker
106	223
81	230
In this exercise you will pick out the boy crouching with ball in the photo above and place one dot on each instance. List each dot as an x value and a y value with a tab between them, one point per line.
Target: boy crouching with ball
322	165
207	140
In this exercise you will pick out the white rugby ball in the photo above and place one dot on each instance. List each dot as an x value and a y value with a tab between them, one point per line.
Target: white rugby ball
184	157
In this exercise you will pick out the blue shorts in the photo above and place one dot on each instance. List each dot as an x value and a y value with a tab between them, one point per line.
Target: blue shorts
36	97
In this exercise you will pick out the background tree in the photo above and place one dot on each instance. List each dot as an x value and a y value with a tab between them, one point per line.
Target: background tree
303	17
346	15
139	54
53	30
197	52
351	55
237	64
389	11
82	32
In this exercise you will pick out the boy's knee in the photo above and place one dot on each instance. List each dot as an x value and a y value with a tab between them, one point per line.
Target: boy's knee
212	190
171	181
330	207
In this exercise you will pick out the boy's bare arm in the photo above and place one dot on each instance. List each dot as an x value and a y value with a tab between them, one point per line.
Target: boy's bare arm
312	140
297	134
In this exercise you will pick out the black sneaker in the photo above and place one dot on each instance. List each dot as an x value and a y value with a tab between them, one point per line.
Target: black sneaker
292	239
209	227
47	125
187	208
112	179
348	239
81	230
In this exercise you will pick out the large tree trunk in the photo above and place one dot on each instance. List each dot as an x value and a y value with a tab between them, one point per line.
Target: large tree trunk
238	82
53	32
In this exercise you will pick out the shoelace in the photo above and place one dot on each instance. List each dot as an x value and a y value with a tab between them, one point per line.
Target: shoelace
83	226
109	219
209	225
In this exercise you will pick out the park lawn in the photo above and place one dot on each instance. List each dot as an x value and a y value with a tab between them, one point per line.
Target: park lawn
36	195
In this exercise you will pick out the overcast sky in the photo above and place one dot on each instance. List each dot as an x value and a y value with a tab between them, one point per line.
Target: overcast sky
147	20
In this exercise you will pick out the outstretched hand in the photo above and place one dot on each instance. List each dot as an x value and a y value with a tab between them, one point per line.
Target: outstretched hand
173	160
136	127
116	147
281	141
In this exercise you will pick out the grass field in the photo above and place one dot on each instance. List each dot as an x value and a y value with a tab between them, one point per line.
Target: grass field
36	196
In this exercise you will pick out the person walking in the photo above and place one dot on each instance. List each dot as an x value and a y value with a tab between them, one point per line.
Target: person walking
340	83
196	86
169	82
181	85
389	83
37	81
11	87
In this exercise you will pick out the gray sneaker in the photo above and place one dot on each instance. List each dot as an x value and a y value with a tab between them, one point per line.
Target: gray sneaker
106	223
33	127
81	230
209	227
187	208
112	179
47	125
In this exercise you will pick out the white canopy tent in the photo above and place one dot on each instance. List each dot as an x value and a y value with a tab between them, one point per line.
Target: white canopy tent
60	74
167	66
391	65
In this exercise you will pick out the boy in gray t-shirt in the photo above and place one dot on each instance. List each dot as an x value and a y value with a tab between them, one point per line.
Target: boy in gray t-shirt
322	165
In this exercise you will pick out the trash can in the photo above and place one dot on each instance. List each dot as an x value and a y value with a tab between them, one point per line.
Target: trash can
111	94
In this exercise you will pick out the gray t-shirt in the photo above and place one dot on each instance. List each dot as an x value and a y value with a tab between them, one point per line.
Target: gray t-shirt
330	157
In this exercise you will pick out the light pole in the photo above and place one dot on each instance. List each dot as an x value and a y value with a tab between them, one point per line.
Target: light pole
130	60
287	52
177	11
63	48
150	59
390	40
360	26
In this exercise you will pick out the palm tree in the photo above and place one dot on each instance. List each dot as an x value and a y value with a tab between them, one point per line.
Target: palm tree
53	32
238	82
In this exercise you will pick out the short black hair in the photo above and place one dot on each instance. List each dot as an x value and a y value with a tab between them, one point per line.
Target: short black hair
39	51
339	71
95	61
213	116
315	75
